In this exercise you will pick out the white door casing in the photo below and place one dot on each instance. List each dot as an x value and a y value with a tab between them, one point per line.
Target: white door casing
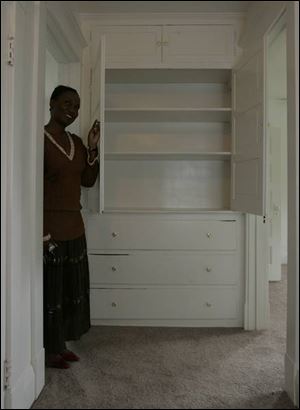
97	112
22	21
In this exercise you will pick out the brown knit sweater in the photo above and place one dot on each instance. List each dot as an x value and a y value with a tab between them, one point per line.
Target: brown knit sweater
62	181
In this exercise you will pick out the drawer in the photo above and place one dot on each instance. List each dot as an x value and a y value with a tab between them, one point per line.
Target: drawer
165	303
165	268
140	233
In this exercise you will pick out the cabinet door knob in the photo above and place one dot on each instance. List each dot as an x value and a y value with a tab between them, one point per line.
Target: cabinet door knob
208	234
114	304
114	234
208	269
113	268
208	304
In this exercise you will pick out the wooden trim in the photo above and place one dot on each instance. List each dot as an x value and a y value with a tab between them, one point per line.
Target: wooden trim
108	19
250	308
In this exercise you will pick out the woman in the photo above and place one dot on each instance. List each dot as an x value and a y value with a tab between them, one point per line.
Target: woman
68	164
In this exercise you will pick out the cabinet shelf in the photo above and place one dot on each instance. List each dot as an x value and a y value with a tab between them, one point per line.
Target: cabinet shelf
168	114
168	76
187	156
111	210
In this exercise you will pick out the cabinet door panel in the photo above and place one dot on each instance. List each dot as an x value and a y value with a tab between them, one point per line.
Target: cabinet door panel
128	46
96	194
199	45
248	159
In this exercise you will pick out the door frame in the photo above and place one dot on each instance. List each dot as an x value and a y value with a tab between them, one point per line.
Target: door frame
291	13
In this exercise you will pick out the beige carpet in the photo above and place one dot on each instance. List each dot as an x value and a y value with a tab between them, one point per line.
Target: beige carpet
175	368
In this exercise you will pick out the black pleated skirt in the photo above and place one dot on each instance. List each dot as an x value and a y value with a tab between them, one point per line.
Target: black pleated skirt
66	294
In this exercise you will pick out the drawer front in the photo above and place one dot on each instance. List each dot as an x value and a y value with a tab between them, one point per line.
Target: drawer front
163	268
165	303
135	233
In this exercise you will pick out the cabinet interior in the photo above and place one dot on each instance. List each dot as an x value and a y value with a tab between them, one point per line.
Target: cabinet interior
167	140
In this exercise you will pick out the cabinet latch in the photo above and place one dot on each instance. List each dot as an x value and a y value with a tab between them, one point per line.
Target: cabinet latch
7	374
11	51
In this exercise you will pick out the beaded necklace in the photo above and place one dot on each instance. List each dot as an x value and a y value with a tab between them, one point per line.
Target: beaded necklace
72	151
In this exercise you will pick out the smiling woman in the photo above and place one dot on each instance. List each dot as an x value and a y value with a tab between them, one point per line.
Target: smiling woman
68	164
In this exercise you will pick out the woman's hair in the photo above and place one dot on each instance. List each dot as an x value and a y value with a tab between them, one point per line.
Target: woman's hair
60	89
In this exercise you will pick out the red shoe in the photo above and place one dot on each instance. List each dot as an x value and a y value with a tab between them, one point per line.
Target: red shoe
57	361
69	356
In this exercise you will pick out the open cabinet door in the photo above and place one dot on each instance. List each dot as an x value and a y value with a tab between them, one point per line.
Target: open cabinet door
97	92
248	150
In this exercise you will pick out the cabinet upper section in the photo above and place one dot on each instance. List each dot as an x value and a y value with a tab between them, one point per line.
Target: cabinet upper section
167	46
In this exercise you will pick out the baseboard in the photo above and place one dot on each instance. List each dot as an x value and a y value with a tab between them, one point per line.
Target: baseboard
21	395
291	380
168	323
38	364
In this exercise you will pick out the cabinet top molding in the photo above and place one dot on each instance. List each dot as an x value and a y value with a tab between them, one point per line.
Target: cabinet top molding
161	18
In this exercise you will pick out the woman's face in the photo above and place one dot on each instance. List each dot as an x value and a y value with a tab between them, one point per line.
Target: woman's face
65	108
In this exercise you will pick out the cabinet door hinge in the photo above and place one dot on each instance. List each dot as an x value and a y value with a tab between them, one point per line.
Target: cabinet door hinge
7	374
11	51
91	77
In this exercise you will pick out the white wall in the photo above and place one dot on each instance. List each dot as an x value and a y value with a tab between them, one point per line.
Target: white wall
51	81
60	74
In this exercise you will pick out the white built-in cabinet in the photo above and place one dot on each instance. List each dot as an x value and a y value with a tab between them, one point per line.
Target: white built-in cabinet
185	46
165	247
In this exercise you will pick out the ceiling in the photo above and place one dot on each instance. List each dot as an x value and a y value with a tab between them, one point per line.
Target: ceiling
83	7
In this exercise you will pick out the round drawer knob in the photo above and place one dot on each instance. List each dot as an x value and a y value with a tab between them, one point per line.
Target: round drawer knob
208	304
208	235
114	234
114	304
208	269
113	268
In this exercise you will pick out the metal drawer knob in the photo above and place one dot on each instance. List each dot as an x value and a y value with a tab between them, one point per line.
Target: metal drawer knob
208	235
208	269
114	234
113	268
114	304
208	304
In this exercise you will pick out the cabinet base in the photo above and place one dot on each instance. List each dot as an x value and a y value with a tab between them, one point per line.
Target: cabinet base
168	323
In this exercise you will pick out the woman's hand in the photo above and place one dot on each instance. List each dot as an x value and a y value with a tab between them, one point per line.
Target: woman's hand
94	135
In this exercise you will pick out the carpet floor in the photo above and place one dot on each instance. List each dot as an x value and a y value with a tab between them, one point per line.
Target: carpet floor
175	368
